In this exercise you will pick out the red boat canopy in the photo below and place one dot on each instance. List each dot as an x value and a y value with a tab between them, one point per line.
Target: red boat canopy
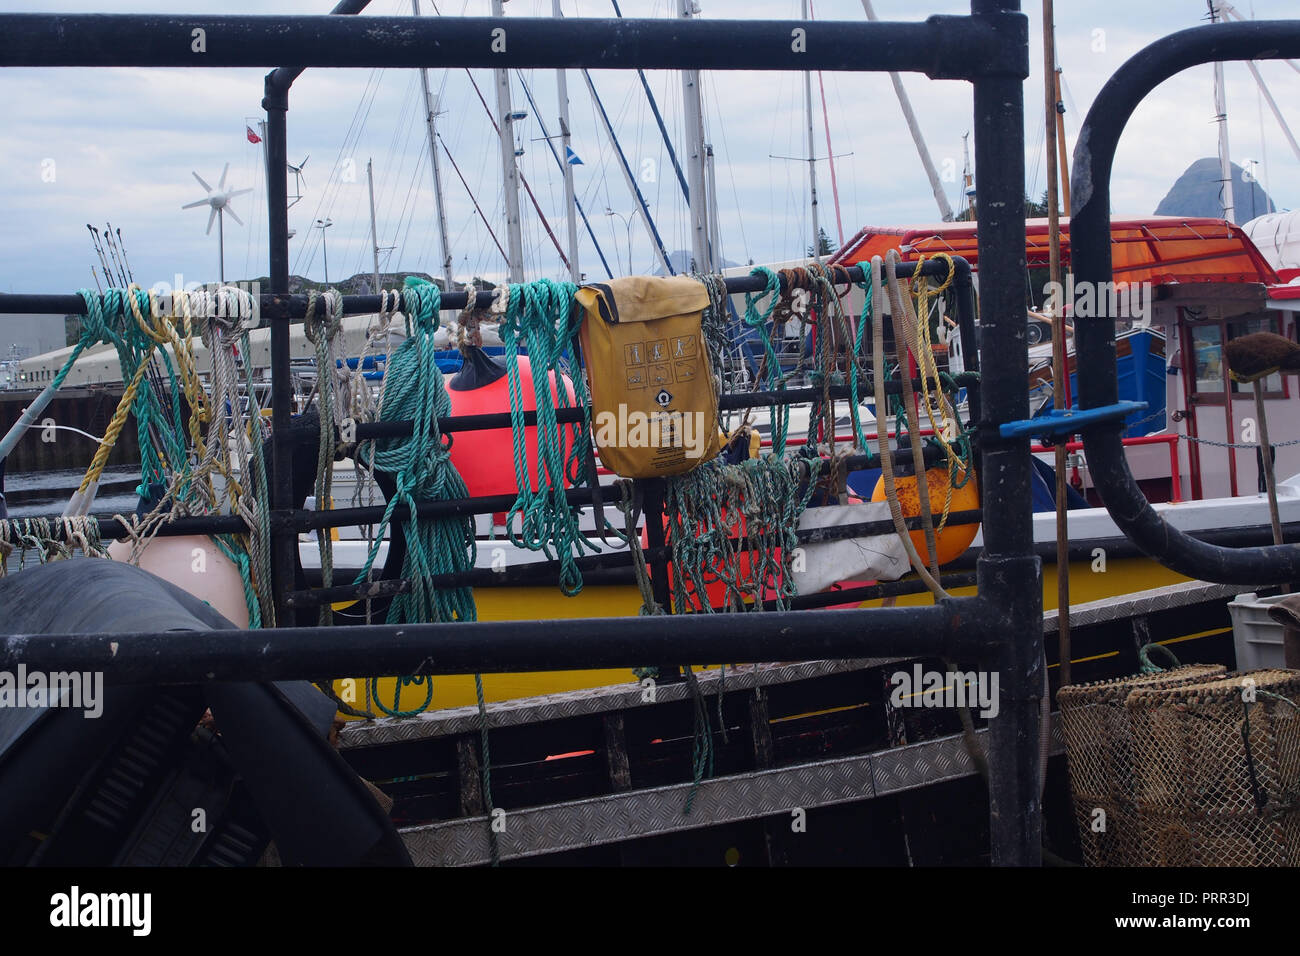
1158	249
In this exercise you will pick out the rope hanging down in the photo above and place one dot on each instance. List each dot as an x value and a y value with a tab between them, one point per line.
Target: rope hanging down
422	471
543	317
185	468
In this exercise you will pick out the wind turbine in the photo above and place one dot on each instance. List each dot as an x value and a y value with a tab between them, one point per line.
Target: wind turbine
219	202
299	179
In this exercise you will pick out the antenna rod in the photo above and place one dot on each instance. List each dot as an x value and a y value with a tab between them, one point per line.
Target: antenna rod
112	251
99	251
1060	381
121	245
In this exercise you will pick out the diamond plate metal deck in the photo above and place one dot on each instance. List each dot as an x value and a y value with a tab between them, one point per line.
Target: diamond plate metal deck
1145	602
642	813
594	700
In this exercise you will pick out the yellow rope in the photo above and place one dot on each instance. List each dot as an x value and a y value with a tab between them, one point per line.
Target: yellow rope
928	367
115	427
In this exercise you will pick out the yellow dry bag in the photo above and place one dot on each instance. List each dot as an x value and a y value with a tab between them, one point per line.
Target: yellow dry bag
654	411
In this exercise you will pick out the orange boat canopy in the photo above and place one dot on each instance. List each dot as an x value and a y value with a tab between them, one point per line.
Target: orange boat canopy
1158	249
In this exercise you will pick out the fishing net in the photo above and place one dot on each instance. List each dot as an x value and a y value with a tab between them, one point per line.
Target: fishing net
1216	770
1099	745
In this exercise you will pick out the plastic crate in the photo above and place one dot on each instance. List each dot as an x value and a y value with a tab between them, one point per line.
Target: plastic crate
1256	637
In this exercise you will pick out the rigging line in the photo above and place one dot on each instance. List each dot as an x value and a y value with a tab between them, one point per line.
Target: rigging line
560	162
413	129
371	91
830	153
473	199
309	244
627	171
731	173
659	119
410	220
537	206
407	213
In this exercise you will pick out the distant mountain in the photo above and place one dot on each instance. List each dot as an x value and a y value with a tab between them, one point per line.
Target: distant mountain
681	261
1197	192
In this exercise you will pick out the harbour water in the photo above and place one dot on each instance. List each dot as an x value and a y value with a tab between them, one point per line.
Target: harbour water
45	493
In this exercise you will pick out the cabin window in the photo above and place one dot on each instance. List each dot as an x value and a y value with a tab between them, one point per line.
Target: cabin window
1205	342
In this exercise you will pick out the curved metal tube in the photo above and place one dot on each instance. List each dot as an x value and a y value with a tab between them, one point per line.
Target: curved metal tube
1095	338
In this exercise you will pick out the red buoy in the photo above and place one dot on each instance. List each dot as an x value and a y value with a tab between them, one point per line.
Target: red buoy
486	459
714	587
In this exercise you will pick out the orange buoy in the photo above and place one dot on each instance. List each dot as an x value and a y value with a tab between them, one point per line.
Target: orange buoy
486	459
953	540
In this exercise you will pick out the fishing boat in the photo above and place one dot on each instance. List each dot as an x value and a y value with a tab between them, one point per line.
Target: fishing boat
723	765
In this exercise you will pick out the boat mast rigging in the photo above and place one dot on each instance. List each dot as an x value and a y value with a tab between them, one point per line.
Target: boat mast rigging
910	117
514	230
1221	117
570	199
1227	10
642	207
562	162
701	260
430	113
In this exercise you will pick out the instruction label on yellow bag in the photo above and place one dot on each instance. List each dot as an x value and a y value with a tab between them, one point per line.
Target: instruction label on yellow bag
654	411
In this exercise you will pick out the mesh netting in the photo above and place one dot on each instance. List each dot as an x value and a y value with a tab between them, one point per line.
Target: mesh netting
1099	744
1216	770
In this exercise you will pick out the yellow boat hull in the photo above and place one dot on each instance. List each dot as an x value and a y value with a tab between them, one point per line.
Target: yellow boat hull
1122	576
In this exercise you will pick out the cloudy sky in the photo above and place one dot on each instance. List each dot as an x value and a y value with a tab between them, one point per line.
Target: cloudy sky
89	146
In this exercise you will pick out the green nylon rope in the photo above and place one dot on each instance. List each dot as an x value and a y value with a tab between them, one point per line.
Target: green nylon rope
541	315
422	470
759	319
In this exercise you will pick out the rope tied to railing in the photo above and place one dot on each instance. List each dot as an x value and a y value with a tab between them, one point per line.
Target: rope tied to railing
542	316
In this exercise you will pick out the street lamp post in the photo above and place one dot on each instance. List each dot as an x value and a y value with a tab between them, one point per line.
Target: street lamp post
627	222
322	225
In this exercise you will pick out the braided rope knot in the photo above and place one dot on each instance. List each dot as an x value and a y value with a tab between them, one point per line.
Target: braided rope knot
468	333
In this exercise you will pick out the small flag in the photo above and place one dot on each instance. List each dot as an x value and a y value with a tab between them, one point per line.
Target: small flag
252	137
571	157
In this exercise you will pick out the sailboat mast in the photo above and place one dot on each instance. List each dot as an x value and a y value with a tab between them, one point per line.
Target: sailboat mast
695	159
812	154
967	180
570	199
374	231
514	231
906	104
715	232
430	114
1221	117
643	210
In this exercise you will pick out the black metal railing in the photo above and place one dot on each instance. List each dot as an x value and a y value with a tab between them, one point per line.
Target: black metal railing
997	629
1095	336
